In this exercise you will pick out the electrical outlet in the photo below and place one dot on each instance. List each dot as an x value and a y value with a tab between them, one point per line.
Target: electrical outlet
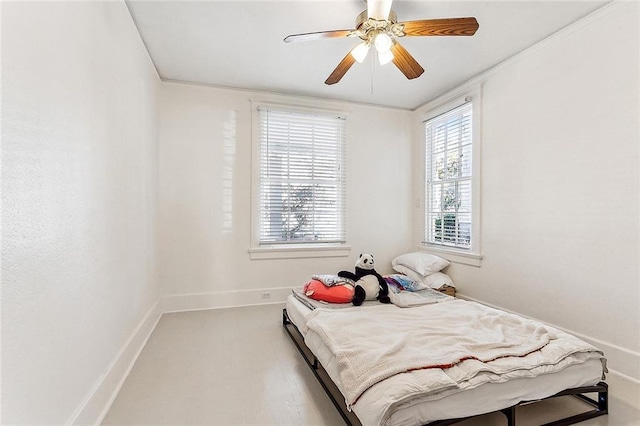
266	295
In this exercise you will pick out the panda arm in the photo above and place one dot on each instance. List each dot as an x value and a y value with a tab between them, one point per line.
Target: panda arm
384	288
383	296
381	280
348	274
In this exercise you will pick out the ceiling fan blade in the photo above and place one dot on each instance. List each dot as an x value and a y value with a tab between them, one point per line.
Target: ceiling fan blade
405	62
441	27
378	9
317	36
341	69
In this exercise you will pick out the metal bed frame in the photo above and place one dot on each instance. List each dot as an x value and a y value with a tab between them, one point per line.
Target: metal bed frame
600	406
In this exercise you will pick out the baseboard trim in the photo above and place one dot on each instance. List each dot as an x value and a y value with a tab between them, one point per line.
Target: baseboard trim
97	403
224	299
621	361
624	388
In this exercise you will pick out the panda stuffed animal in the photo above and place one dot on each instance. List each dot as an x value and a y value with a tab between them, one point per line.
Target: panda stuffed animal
369	285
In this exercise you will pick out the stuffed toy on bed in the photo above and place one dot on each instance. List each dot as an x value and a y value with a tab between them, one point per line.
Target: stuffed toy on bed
369	285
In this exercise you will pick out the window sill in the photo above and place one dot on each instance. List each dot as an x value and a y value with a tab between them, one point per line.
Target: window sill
302	252
455	256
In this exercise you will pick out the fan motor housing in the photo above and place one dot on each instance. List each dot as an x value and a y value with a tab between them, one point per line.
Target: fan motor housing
363	18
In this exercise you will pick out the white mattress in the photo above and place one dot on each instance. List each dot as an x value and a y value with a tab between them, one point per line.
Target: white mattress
374	406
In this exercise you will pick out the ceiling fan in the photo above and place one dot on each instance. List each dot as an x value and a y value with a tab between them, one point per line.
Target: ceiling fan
379	26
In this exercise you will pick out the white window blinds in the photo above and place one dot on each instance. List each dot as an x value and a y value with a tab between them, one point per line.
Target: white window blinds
302	177
448	206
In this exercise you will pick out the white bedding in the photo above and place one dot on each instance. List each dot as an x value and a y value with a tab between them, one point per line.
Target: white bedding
387	342
425	395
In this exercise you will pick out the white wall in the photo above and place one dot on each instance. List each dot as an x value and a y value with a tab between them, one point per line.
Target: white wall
205	147
560	186
80	166
79	185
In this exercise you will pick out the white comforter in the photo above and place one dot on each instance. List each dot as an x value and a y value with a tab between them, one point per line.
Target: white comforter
453	342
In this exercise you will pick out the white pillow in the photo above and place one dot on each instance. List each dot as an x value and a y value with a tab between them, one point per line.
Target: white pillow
438	280
420	284
421	262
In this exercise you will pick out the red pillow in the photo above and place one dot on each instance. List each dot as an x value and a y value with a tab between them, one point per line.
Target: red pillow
336	294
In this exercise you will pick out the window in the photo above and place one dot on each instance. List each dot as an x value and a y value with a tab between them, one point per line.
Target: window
451	182
301	180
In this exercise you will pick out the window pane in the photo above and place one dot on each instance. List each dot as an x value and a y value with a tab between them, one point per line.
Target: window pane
448	207
436	198
453	163
440	168
449	198
302	177
464	196
465	161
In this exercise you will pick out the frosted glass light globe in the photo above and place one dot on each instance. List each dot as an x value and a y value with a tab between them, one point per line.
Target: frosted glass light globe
360	51
383	43
385	57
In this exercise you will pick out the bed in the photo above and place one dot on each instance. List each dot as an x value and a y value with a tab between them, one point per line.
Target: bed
444	388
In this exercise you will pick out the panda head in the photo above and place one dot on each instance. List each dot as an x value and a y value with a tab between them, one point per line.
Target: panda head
365	261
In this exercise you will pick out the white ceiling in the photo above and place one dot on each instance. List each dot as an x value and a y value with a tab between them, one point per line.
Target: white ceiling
239	44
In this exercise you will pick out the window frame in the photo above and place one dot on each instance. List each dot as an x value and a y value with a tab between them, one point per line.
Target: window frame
293	250
472	255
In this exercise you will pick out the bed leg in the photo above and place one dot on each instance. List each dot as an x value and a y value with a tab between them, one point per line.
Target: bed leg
603	398
510	414
285	317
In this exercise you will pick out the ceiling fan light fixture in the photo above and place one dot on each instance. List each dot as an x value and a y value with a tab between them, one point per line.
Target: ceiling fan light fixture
383	42
385	57
379	26
359	52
